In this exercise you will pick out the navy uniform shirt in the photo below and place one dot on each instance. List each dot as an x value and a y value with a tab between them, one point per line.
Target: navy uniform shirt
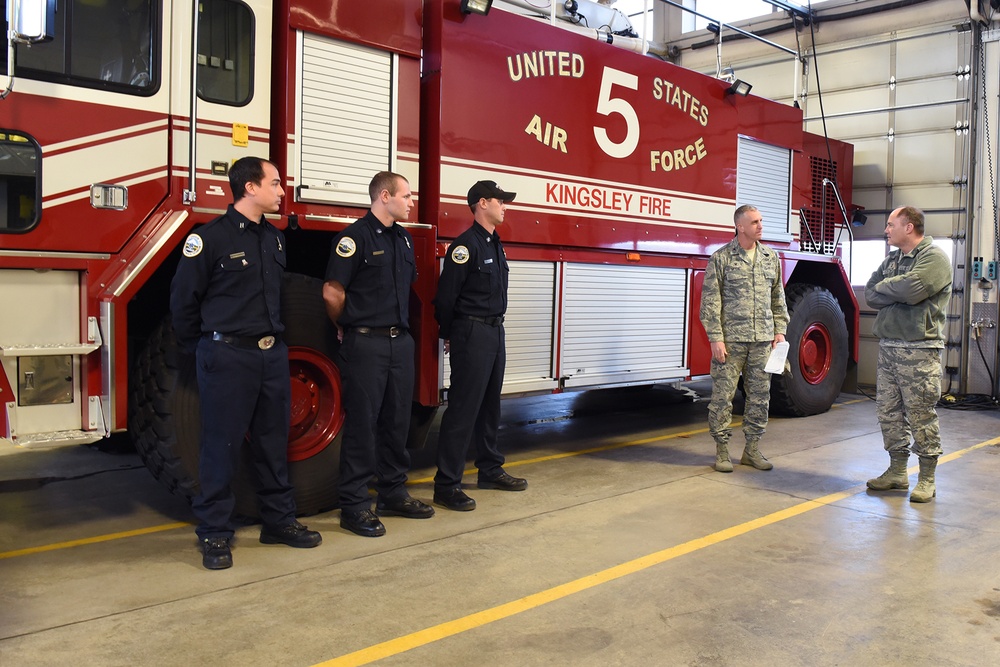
474	278
376	266
229	280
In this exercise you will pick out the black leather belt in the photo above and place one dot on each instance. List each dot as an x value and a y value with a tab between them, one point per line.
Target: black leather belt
494	321
388	332
265	342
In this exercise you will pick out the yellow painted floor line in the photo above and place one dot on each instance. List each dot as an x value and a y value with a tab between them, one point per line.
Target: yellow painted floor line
94	540
449	628
172	526
583	452
510	464
736	424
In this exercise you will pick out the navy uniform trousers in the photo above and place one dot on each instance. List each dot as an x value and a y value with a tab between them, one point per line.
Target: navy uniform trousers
245	397
478	359
377	373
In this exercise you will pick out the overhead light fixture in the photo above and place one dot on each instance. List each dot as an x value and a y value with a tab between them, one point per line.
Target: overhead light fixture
794	9
476	6
739	87
858	219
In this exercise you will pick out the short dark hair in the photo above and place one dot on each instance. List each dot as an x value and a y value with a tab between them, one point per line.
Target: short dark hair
245	170
914	216
741	211
384	180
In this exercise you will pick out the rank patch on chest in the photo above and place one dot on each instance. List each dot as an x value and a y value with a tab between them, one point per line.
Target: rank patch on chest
193	246
346	247
460	254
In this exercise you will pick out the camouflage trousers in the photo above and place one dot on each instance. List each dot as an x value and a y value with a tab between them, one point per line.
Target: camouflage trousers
748	359
908	382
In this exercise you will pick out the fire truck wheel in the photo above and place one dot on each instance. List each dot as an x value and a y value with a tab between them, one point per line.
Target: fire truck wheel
164	416
317	417
818	353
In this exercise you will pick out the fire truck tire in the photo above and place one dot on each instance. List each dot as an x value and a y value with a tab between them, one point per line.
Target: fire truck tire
164	415
817	354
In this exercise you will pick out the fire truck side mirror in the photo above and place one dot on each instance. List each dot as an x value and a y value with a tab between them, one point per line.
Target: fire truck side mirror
31	21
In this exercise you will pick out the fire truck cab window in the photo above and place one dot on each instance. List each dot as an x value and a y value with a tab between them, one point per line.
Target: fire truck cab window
19	186
225	52
107	44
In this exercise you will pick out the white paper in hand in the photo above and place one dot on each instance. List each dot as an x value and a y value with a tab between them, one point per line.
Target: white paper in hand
776	362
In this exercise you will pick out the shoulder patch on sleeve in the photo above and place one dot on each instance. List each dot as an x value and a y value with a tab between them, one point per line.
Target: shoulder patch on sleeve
346	247
460	254
193	245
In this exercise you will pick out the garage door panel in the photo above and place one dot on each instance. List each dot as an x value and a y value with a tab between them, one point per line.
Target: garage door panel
919	57
773	80
853	69
871	161
940	226
942	115
924	196
848	127
870	199
914	161
932	119
849	100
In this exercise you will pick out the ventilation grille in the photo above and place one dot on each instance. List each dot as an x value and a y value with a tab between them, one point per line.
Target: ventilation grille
821	234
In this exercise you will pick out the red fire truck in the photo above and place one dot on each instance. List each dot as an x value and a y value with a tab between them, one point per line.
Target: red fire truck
120	119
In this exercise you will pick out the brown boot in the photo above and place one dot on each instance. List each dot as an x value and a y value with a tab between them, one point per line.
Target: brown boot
753	457
925	490
722	462
895	475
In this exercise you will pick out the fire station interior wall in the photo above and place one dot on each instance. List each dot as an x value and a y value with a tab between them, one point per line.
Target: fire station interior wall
618	325
41	308
902	96
905	97
345	128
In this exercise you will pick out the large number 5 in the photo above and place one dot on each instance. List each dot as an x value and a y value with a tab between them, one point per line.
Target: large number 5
608	105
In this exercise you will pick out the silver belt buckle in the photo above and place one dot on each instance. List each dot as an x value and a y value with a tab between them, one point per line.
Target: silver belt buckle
394	332
266	343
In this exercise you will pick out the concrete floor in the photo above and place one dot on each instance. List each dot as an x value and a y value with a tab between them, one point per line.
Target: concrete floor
626	549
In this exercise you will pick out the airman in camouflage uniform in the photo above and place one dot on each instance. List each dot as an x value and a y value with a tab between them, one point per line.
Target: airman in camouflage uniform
910	290
743	311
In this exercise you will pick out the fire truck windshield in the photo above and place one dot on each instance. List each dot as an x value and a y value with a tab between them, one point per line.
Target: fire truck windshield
108	45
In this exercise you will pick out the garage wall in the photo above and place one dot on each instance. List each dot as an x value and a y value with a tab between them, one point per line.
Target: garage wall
904	99
912	103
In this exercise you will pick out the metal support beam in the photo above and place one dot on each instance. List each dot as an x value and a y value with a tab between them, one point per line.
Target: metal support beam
795	10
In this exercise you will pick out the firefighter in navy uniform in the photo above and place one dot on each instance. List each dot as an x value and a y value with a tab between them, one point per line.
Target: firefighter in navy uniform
225	304
367	294
470	305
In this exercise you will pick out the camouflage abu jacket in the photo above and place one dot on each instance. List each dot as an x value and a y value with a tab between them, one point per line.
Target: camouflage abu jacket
911	293
740	301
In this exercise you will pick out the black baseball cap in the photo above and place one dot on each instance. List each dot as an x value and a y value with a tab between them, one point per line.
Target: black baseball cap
488	190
